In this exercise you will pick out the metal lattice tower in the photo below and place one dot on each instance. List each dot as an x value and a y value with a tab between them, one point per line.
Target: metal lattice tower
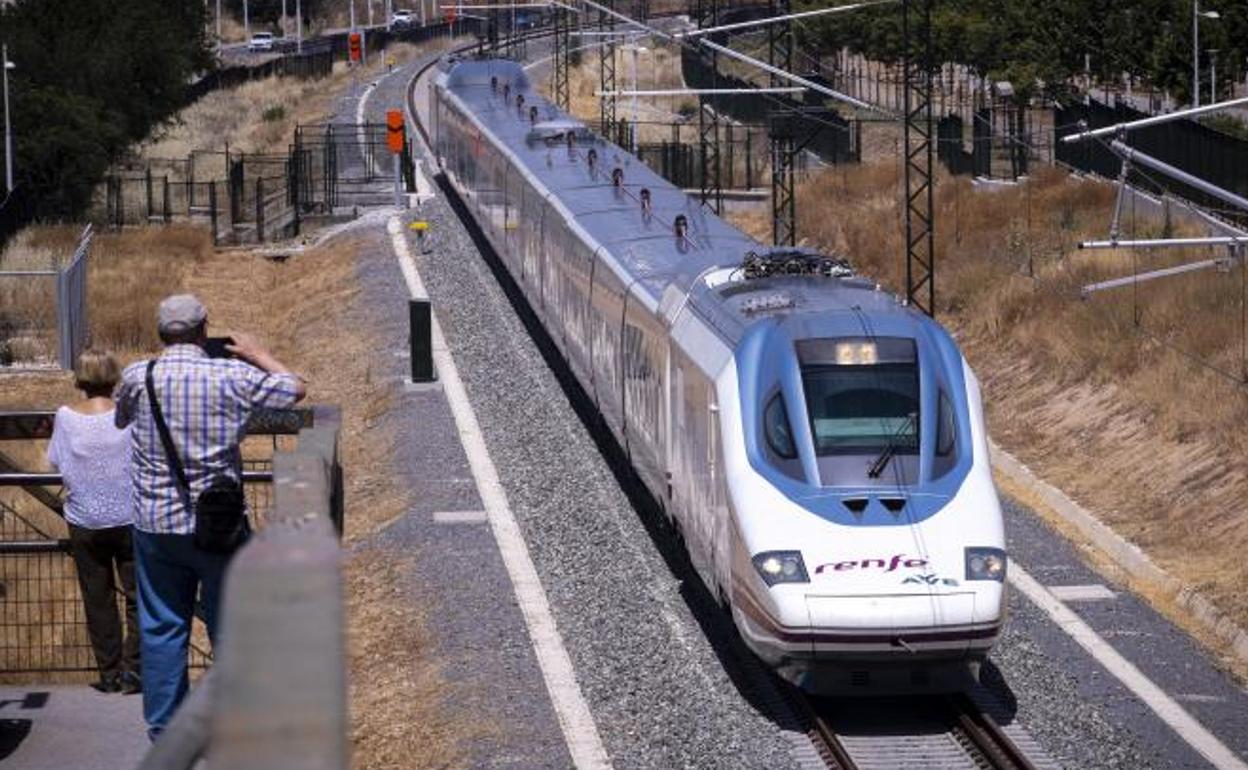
491	32
606	68
780	132
562	55
783	194
707	11
916	34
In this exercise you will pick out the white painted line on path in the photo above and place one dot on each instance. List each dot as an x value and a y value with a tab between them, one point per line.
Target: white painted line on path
1165	707
1088	593
460	517
575	719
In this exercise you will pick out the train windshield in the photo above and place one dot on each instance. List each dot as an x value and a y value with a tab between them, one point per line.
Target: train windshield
862	394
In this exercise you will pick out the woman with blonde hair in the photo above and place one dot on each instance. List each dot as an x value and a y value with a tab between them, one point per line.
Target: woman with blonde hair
93	456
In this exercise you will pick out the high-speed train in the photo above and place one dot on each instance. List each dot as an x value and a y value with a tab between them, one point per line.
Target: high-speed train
819	444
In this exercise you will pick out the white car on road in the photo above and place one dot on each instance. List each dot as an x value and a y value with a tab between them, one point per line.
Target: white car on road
402	19
261	41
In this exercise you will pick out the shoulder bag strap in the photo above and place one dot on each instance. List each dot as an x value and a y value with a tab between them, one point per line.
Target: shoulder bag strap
170	451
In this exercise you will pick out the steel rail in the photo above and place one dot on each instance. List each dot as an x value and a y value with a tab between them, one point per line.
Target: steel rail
827	742
976	732
986	735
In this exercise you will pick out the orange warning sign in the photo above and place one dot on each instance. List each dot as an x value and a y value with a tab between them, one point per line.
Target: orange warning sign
353	46
395	138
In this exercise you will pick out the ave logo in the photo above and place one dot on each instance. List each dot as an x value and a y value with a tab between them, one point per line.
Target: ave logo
929	579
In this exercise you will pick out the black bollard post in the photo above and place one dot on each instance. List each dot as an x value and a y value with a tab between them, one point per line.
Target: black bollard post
420	323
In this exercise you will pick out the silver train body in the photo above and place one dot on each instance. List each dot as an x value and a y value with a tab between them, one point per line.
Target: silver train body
819	445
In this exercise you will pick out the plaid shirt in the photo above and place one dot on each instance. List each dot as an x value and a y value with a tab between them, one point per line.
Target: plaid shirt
206	403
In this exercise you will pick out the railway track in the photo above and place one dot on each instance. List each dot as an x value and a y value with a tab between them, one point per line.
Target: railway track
938	732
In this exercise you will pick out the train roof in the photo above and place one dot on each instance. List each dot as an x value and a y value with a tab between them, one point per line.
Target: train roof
705	266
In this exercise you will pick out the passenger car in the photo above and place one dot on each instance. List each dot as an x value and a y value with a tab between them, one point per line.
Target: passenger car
261	41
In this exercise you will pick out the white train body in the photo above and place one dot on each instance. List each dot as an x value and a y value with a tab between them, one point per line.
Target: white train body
820	446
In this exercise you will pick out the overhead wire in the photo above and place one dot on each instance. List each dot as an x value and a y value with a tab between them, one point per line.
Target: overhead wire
1240	380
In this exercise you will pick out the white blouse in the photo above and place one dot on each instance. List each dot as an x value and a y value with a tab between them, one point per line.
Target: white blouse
93	456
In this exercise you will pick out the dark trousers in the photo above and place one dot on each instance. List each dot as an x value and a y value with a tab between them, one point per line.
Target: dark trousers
97	553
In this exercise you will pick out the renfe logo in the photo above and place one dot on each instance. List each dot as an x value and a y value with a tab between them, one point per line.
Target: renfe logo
899	560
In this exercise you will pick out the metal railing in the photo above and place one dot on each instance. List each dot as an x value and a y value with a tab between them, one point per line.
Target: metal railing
42	626
276	695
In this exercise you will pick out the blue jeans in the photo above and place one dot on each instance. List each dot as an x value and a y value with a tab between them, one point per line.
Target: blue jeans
170	570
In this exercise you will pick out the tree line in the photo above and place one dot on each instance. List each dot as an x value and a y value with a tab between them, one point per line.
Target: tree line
91	78
1043	46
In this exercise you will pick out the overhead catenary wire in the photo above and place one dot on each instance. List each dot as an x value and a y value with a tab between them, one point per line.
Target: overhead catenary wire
698	50
787	17
1164	340
1141	330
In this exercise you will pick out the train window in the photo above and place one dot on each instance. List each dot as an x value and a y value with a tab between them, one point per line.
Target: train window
776	427
946	427
858	409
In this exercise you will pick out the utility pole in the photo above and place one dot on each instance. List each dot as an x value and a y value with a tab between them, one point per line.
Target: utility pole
606	72
5	66
298	24
218	29
1213	75
563	52
246	22
916	44
708	121
1196	16
781	135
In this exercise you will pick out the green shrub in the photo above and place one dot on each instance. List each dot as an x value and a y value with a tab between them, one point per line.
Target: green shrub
273	114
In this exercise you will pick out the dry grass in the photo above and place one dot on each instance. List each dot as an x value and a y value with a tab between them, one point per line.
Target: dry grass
657	68
1145	437
260	116
128	273
304	310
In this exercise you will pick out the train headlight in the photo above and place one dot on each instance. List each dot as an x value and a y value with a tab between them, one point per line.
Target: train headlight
781	567
985	564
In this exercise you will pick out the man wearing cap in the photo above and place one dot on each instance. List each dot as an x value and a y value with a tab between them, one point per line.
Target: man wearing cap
206	403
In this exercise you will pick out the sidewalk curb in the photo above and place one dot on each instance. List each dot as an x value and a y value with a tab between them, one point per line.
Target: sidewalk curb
1124	554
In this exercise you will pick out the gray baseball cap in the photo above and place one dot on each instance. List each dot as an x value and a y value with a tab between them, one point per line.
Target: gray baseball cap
179	313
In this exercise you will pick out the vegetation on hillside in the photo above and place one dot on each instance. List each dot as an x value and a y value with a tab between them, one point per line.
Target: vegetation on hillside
91	77
1033	42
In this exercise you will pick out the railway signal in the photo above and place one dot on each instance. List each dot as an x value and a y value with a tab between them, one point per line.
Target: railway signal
396	141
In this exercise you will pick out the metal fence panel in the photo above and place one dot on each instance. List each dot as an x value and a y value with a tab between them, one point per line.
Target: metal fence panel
1186	144
71	303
